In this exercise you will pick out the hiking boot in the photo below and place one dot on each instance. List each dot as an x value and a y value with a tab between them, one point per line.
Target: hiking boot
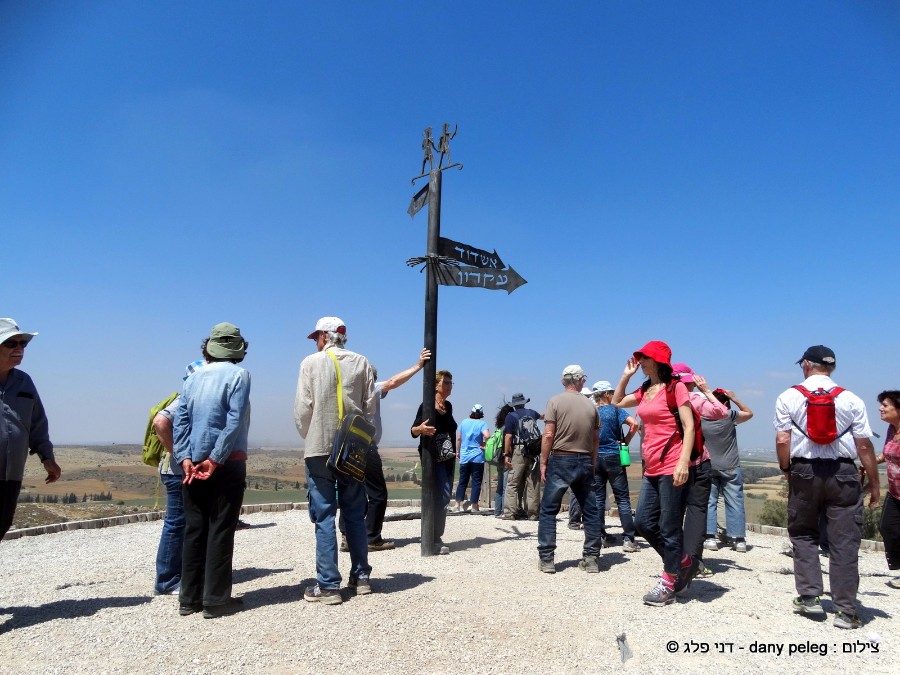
215	611
345	548
808	605
547	566
589	564
576	526
630	546
510	516
331	596
660	596
842	620
440	548
359	585
187	608
383	545
609	540
711	544
686	574
740	546
894	583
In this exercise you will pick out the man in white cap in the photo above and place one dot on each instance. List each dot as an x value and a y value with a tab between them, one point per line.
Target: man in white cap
23	422
568	460
317	419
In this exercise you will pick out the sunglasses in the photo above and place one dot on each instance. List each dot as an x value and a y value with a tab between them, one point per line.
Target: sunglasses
12	344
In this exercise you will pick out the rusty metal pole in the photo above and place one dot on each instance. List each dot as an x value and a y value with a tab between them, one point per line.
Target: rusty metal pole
429	491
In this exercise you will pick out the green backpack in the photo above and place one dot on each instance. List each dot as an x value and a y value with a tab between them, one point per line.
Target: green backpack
493	448
153	447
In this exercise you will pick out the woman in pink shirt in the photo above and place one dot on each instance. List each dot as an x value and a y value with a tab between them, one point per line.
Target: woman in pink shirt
666	450
890	512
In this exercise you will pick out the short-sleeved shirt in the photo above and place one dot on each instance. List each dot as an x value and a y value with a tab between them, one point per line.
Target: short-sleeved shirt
576	421
892	461
661	445
849	413
471	432
721	441
611	421
511	425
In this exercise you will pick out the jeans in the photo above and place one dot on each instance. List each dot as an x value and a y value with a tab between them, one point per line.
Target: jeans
501	489
443	486
695	503
658	519
376	497
610	470
730	484
890	531
576	517
475	471
831	487
171	542
211	510
327	491
564	472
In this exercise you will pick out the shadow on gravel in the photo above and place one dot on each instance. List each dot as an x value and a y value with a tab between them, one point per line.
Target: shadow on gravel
254	526
703	590
23	617
276	595
723	565
250	573
401	581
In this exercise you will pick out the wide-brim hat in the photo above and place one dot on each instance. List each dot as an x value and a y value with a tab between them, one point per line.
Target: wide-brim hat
657	350
518	399
10	329
601	386
226	342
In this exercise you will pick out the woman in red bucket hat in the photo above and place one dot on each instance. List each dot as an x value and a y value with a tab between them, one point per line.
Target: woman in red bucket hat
666	453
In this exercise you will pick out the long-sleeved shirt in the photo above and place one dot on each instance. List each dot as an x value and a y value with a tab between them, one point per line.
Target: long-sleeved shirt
23	425
213	419
316	405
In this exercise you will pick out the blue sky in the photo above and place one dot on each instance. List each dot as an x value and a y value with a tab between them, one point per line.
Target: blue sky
721	176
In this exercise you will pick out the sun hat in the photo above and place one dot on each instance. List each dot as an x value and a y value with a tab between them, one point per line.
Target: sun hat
225	342
576	372
683	372
819	354
586	392
9	329
657	350
518	399
601	386
329	324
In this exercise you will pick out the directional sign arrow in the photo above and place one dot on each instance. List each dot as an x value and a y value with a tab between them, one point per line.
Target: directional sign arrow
477	277
469	255
418	201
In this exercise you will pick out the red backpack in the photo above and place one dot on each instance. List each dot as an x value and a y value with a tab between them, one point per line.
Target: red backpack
697	450
821	421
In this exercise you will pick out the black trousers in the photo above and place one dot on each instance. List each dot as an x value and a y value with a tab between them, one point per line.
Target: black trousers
696	499
890	531
9	495
376	498
211	511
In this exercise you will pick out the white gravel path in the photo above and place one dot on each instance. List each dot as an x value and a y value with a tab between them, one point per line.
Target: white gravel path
81	602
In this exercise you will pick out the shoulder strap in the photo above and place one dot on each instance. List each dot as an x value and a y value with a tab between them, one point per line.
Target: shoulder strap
803	390
340	389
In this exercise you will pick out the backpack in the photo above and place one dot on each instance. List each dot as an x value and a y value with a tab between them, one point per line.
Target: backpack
821	421
493	448
153	447
528	435
697	450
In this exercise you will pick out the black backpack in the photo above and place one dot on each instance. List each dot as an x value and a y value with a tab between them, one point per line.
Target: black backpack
528	434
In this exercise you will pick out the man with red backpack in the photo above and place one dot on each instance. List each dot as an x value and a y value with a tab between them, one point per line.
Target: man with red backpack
820	430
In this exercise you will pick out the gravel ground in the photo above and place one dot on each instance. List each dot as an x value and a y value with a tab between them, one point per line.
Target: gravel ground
81	601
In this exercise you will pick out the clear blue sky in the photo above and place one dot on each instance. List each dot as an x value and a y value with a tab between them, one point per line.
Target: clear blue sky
723	176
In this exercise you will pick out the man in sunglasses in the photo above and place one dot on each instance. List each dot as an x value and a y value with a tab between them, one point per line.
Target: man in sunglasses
23	422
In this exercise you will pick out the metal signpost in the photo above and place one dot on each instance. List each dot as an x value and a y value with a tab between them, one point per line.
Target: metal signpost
448	263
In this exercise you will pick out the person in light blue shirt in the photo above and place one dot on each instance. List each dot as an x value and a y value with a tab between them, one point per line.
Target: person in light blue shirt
210	444
470	439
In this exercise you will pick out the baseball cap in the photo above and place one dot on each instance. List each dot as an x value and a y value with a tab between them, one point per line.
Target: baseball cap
477	408
819	354
574	371
683	371
657	350
328	324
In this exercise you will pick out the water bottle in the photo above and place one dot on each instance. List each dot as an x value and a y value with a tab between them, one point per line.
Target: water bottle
624	455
